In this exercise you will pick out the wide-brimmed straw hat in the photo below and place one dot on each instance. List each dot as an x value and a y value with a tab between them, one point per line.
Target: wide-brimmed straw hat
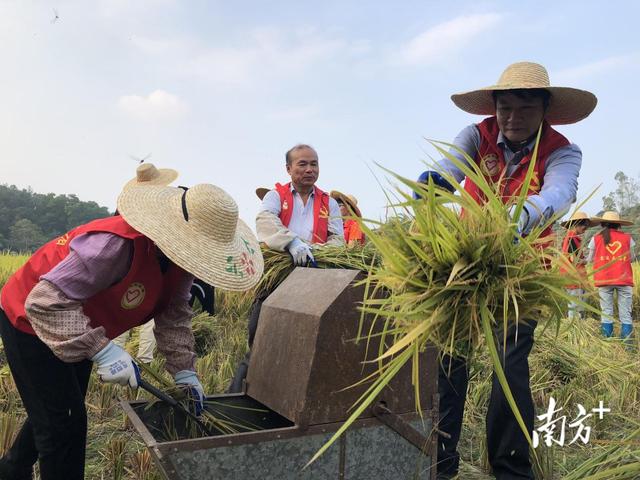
261	192
566	105
199	230
611	217
578	217
148	174
350	200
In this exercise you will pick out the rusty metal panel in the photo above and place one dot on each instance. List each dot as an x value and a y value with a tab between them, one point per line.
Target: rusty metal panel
304	358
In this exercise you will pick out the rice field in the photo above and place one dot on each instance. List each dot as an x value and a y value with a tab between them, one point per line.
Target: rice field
574	366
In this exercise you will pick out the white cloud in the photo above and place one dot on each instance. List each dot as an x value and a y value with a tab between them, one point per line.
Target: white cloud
158	105
255	57
444	39
588	70
268	54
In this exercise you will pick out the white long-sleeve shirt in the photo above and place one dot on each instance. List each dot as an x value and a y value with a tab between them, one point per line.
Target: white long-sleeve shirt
271	231
560	183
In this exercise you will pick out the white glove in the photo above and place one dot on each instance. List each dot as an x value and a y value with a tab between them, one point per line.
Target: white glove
189	379
300	252
116	366
522	223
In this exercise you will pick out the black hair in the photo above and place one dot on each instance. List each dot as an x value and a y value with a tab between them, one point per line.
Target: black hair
578	223
526	94
300	146
606	233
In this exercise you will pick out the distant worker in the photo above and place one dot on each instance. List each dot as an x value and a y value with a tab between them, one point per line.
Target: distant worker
353	234
575	254
293	217
611	251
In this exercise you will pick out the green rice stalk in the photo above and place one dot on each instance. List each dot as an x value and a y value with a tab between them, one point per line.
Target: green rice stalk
453	280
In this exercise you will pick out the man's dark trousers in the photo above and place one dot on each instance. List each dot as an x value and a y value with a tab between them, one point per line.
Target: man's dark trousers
243	368
507	447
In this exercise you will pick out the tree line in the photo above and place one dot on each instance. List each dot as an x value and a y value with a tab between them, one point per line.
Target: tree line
29	219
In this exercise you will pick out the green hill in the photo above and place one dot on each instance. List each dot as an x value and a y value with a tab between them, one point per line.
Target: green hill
29	219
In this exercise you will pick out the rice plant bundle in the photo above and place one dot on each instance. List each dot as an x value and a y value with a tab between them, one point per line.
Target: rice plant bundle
277	265
455	271
215	418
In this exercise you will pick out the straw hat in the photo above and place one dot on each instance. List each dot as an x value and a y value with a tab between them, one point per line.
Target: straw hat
350	200
578	216
199	230
261	192
148	174
567	105
611	217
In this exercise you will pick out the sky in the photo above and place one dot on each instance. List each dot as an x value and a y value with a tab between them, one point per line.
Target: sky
221	90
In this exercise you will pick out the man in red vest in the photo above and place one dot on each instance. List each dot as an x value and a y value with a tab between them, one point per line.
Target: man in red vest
575	255
502	146
612	252
61	311
293	217
296	215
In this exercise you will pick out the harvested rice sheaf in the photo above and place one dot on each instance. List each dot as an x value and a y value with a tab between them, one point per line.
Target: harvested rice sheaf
454	271
278	265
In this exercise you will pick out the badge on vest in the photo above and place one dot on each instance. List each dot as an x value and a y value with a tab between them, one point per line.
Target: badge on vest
613	247
133	297
62	241
490	165
285	205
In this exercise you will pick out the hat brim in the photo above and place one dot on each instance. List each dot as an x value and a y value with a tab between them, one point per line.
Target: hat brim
600	220
338	196
165	177
567	105
156	212
261	192
569	223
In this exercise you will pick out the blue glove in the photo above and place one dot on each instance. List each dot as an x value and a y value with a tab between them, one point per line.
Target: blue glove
115	365
437	179
190	380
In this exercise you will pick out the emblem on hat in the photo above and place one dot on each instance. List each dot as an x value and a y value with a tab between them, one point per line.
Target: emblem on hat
133	297
490	165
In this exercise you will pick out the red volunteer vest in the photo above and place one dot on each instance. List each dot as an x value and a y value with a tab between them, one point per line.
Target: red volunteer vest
617	255
573	257
490	159
320	211
143	293
353	232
